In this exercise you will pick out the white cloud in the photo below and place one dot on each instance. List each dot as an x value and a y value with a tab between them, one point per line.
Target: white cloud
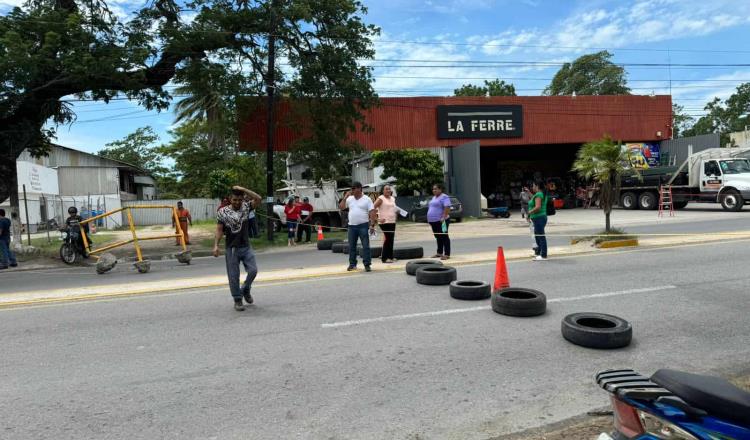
11	3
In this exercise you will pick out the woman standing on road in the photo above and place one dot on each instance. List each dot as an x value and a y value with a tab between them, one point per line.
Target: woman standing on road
292	212
438	216
386	206
538	216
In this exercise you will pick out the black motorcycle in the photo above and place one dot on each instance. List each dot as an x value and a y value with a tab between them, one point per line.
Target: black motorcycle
72	248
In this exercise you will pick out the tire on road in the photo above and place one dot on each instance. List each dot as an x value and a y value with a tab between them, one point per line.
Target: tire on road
327	244
648	200
629	200
597	330
436	275
519	301
470	290
408	253
340	247
412	266
375	251
731	200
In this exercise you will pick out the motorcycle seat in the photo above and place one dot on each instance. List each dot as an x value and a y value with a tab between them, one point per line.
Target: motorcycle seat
714	395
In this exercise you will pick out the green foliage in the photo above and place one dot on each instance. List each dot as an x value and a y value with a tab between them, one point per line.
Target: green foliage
55	49
136	149
496	87
591	74
603	162
681	121
414	170
724	117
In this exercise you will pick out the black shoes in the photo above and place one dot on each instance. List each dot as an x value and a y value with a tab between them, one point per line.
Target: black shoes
368	269
247	296
238	305
351	268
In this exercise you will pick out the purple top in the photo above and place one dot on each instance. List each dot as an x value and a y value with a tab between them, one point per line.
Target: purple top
437	206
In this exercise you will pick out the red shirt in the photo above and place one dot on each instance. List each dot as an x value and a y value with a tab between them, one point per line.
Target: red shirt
305	207
292	212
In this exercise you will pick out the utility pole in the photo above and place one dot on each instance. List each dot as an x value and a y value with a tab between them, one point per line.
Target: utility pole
270	89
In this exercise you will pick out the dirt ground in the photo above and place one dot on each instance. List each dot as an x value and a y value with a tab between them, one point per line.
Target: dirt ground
589	427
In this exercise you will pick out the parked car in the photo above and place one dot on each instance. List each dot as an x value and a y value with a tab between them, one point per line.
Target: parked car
419	210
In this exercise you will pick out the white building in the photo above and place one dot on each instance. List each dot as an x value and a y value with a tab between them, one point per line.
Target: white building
68	177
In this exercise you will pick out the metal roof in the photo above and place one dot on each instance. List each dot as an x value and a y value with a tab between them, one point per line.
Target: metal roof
399	123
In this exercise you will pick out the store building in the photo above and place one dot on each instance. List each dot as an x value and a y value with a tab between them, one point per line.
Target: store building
491	144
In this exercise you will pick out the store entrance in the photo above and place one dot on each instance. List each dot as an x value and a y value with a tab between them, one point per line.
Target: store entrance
506	169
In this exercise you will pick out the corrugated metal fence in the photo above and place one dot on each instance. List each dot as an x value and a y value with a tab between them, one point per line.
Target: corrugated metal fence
675	151
200	209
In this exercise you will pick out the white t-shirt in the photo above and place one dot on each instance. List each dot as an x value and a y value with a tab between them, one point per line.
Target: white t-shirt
359	209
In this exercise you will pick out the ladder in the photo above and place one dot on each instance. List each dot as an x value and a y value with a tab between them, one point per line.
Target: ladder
665	200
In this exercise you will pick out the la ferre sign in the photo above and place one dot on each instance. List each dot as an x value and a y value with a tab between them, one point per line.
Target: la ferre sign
479	121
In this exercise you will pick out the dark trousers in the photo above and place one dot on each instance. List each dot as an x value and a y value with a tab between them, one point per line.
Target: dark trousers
252	227
246	257
389	235
541	239
361	232
7	257
443	241
303	228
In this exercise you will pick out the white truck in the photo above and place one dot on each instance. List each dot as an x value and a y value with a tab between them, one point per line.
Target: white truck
715	175
324	197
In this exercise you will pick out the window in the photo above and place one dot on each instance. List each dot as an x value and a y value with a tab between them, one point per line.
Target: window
735	166
711	168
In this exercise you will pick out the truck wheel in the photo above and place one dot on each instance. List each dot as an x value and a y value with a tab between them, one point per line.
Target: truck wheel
648	201
629	200
680	205
731	200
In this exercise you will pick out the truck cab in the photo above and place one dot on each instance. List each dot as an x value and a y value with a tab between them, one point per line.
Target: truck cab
726	181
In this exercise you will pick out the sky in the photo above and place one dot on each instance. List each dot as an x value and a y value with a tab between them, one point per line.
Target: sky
431	47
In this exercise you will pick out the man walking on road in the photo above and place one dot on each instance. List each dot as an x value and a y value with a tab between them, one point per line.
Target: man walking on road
304	220
183	215
7	257
361	224
233	222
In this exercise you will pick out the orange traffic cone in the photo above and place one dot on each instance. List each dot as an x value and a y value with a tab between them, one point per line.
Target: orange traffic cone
320	232
501	271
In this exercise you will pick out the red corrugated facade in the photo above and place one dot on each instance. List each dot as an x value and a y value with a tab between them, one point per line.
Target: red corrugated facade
412	122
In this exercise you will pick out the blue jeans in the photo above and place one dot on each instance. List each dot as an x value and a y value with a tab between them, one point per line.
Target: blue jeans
541	239
363	233
234	256
291	228
6	254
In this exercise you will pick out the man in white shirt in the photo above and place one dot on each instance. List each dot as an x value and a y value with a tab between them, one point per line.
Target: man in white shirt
361	224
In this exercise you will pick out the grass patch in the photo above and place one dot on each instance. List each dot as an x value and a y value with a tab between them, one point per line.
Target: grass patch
614	234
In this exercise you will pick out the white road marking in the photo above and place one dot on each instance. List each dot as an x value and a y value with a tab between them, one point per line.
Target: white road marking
475	309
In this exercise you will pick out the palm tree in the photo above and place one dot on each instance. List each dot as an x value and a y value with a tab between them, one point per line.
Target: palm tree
205	104
604	162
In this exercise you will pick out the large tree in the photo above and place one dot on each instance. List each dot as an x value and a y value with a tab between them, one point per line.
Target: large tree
726	116
496	87
56	52
681	121
137	148
591	74
414	169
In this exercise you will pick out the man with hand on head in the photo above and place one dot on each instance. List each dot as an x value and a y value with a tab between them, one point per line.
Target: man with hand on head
232	221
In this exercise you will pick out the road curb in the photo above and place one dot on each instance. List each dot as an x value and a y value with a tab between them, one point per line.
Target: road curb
147	288
617	244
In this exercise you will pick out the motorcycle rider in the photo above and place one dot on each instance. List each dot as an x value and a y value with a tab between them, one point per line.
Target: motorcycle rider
73	221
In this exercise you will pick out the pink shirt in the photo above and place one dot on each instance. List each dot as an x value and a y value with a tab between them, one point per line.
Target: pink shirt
387	209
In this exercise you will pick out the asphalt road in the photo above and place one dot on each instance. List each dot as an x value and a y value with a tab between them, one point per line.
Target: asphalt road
294	365
307	256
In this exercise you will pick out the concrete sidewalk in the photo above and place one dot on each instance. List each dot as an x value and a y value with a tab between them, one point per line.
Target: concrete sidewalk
299	274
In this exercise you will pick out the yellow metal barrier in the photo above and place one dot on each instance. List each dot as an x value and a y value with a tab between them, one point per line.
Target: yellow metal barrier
134	240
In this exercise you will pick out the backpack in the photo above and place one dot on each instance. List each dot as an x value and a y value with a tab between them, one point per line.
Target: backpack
550	206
